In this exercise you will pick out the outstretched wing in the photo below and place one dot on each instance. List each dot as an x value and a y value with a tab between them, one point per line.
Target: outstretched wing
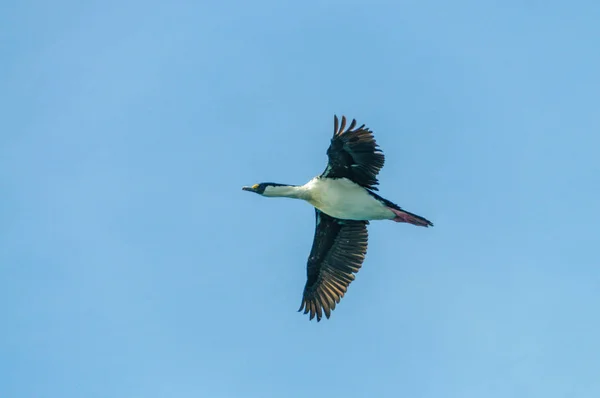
338	251
354	154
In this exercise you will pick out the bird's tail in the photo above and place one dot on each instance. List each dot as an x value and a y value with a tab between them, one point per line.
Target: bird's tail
404	216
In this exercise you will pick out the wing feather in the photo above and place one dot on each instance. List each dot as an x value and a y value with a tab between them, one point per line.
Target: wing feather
338	251
354	154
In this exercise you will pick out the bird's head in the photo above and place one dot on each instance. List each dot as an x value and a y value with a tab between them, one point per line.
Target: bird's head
257	188
270	189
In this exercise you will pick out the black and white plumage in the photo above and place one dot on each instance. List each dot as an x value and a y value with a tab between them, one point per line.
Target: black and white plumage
345	201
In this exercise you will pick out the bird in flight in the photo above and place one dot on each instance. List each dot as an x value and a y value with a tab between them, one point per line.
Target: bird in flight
345	201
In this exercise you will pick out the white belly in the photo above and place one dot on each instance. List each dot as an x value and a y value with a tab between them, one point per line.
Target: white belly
341	198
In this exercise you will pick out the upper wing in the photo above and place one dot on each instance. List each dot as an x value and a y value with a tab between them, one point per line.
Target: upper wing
354	154
338	251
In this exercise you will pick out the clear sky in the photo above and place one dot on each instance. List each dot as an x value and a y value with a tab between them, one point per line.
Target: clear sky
132	265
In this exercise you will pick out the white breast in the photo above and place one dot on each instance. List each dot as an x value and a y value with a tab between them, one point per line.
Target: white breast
342	198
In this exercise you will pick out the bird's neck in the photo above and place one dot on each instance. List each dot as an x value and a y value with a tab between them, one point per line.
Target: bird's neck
285	191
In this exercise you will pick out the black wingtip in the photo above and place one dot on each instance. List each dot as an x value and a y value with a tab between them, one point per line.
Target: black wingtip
353	124
335	124
342	125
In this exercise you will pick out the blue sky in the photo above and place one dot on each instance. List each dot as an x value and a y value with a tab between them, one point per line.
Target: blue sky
132	265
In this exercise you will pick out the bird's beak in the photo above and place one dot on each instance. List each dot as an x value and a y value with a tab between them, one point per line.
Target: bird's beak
248	189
